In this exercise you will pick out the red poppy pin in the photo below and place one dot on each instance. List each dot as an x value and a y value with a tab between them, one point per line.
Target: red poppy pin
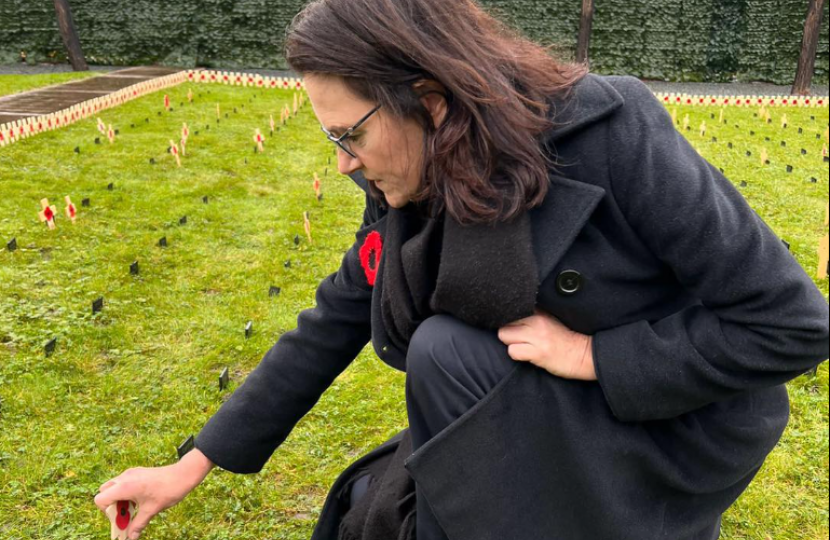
372	245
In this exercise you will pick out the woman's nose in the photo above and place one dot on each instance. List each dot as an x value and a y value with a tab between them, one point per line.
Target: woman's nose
347	164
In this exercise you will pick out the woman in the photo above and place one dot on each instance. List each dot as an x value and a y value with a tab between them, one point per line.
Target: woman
595	326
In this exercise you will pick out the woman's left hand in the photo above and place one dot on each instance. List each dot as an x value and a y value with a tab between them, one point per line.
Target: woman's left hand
547	343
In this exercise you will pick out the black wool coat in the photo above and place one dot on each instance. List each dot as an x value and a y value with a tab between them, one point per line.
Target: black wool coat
699	315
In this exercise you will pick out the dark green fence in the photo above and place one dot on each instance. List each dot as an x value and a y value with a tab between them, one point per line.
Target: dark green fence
681	40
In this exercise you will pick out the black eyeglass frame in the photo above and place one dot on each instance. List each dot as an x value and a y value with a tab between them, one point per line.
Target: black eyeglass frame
349	132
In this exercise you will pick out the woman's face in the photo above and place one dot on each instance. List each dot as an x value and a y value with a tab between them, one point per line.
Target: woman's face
389	150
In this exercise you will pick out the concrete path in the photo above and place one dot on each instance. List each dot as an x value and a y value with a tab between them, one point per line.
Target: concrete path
52	99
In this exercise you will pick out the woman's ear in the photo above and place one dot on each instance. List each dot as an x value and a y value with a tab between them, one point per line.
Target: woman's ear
432	95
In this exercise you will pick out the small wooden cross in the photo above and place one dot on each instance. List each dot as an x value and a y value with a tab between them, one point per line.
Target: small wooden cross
317	186
307	225
218	111
166	102
48	213
273	125
111	134
174	149
703	129
686	121
184	146
764	157
190	96
258	139
120	515
71	211
784	121
102	127
185	131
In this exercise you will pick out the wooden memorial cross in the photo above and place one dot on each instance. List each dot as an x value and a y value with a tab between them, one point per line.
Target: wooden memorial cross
71	211
317	186
307	225
48	213
174	149
258	139
120	515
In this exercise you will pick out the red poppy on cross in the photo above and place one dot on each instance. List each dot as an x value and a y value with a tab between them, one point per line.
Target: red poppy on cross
48	213
372	245
120	515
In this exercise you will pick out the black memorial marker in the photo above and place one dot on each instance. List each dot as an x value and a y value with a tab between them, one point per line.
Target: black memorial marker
787	244
803	151
163	242
274	291
85	203
731	146
714	139
752	133
188	445
110	186
713	116
97	305
224	379
49	348
152	161
783	143
748	153
827	159
249	329
800	131
132	126
744	184
77	149
767	139
118	132
814	180
789	168
183	220
146	120
297	240
12	245
134	270
287	264
205	199
97	140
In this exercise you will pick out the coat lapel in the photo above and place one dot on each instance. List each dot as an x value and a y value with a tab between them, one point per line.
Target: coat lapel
557	222
569	203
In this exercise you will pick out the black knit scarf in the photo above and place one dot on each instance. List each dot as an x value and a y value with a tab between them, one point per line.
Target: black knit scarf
484	275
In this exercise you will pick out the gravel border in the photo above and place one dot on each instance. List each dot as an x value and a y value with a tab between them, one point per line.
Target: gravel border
723	89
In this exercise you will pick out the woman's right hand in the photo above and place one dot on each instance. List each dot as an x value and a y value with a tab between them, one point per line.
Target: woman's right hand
154	490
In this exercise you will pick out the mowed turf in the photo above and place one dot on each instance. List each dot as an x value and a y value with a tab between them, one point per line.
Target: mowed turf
124	387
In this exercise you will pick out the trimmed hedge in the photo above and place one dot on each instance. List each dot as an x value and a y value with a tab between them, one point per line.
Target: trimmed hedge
679	40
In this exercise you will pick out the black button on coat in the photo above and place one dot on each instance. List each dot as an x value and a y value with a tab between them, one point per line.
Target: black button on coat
699	316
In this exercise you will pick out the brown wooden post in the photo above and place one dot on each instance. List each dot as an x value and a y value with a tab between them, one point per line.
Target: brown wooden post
585	27
70	36
809	46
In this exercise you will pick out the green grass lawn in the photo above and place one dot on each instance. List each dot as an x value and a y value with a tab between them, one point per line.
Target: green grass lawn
127	385
12	84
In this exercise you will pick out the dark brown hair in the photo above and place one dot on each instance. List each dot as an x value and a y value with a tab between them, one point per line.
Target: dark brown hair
485	163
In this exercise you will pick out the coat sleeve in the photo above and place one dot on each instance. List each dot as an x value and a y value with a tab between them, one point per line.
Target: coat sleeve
295	373
761	320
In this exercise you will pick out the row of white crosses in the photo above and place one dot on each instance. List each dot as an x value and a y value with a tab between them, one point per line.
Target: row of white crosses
244	79
741	101
49	212
21	129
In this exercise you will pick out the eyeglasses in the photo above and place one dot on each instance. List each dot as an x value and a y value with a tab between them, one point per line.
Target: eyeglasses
343	141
